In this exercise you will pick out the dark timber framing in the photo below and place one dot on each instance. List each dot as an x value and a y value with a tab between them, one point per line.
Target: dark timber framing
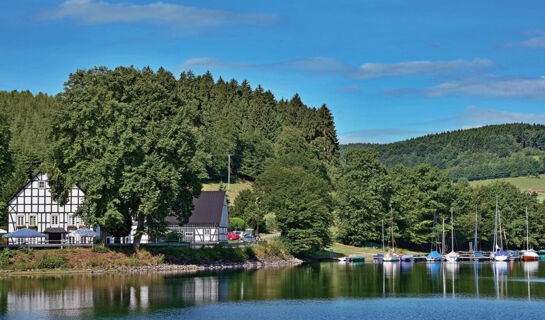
35	200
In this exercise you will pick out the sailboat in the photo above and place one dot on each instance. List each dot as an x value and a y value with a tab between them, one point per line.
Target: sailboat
476	254
499	254
391	256
434	256
452	256
528	255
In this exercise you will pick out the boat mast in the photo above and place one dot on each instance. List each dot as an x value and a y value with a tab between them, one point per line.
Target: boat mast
527	239
435	227
499	223
496	227
452	228
392	220
475	248
382	235
443	237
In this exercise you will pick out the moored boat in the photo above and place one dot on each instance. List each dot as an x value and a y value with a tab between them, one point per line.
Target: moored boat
500	255
378	257
407	258
541	254
452	257
530	255
434	256
390	257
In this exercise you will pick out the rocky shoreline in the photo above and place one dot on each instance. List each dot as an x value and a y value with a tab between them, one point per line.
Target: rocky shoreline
169	268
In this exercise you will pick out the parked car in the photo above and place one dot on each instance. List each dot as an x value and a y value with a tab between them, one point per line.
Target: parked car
232	236
249	238
240	234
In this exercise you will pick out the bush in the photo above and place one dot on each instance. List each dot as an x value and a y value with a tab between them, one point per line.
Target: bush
270	222
5	257
29	252
236	224
100	249
49	261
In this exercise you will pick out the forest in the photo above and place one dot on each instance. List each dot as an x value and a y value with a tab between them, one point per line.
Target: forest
495	151
141	143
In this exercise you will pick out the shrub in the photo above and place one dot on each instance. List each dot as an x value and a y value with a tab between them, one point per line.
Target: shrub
5	257
236	224
100	249
49	261
249	252
29	252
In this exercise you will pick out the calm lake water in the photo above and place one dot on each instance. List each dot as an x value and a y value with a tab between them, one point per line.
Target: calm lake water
313	291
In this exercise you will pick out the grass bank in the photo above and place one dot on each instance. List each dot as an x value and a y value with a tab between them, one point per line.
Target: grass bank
74	259
341	250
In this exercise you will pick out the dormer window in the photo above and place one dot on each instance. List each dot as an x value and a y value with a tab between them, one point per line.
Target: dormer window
41	184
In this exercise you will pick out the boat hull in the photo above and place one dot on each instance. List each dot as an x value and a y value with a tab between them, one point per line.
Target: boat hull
390	259
528	258
501	258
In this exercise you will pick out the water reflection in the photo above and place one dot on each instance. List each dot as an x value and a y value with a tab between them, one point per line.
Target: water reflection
115	295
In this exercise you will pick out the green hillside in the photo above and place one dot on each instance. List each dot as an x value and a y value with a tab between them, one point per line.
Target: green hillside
496	151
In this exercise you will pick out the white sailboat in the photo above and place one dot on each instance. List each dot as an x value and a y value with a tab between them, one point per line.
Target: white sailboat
391	256
529	255
452	256
499	254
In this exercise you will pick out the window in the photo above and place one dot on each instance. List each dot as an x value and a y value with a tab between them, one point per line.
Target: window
20	220
207	232
189	234
41	184
32	220
55	220
73	220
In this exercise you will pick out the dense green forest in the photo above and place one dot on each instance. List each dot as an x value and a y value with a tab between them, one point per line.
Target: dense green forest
496	151
367	191
137	140
141	142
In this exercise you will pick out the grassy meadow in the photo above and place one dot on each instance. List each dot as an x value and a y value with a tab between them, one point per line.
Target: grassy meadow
233	191
534	184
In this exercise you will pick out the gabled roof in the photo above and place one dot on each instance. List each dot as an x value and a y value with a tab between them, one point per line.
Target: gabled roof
208	209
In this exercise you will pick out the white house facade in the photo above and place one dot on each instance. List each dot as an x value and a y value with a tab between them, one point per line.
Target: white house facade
208	221
33	207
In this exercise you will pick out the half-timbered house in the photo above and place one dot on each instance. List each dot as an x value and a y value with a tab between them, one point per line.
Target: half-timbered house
208	221
34	207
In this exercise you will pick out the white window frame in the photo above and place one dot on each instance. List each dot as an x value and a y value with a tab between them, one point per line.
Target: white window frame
41	184
189	234
55	219
207	232
35	221
20	219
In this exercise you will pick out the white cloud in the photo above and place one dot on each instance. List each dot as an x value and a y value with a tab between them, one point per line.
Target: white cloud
332	66
491	86
95	12
374	70
534	42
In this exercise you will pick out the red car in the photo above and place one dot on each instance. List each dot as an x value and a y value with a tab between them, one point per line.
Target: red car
232	236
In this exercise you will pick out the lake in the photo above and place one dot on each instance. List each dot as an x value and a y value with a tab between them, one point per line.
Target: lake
312	291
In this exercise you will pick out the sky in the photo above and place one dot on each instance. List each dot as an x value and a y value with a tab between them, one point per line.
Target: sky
389	70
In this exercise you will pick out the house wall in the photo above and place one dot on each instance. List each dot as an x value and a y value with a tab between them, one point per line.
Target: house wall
198	233
34	207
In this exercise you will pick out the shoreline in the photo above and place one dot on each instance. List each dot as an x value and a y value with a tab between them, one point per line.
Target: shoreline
162	268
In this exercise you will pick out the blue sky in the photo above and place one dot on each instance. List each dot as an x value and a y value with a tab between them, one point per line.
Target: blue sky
388	70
